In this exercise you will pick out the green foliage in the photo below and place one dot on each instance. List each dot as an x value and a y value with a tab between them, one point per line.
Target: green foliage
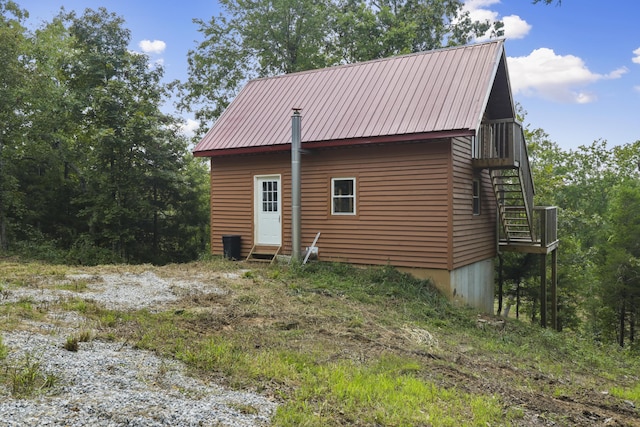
596	188
105	175
13	77
620	249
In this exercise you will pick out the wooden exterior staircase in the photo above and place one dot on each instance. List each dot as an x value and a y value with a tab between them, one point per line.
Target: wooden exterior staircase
500	148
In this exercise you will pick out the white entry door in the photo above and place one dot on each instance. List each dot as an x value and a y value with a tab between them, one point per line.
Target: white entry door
268	207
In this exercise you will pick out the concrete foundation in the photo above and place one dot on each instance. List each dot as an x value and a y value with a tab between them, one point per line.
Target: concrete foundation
472	284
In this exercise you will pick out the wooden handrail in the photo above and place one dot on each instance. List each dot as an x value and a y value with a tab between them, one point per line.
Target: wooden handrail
503	141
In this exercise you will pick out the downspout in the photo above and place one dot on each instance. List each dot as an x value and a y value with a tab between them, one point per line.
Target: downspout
296	120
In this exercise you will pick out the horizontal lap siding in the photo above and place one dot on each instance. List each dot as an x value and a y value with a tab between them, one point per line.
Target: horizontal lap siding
474	236
402	202
232	186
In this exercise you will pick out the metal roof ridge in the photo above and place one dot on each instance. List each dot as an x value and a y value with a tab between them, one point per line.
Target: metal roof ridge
499	40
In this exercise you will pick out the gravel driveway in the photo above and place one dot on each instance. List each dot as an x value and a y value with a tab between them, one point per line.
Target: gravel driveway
113	384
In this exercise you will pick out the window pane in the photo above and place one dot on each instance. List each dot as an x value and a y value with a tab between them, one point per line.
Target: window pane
343	205
343	187
476	197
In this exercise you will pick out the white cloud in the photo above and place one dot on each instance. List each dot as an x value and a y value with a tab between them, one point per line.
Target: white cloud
189	127
514	26
636	58
637	88
559	78
155	46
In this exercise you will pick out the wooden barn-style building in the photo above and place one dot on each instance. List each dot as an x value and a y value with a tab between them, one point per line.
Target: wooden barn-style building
416	161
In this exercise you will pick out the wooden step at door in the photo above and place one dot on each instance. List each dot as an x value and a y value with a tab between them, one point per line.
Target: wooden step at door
263	253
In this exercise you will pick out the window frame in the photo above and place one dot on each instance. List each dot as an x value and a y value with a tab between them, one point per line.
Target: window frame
476	197
353	196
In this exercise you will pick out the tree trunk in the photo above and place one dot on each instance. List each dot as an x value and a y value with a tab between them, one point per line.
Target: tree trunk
500	284
632	323
3	219
622	319
3	231
156	251
518	299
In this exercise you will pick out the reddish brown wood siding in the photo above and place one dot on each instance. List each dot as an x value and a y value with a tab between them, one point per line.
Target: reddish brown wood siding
403	204
474	236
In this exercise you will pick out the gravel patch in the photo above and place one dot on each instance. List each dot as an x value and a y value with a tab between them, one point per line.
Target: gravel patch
125	291
146	290
113	384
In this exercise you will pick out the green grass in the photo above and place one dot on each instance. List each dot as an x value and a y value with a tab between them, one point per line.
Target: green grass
631	394
388	392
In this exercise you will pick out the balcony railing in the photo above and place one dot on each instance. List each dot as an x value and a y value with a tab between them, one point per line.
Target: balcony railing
500	144
545	225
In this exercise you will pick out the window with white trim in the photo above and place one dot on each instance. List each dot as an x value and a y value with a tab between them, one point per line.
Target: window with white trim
476	197
343	196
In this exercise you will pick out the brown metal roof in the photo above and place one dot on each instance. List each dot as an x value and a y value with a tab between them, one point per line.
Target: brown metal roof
436	93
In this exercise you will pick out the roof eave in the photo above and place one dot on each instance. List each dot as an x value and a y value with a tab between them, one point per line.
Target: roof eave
311	145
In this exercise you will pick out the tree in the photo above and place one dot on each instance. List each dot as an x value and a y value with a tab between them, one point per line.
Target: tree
94	170
621	268
372	30
48	161
264	38
135	181
13	77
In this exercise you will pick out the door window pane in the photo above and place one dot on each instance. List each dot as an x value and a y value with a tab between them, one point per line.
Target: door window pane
270	196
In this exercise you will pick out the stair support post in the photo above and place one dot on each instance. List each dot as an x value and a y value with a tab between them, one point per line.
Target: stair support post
543	290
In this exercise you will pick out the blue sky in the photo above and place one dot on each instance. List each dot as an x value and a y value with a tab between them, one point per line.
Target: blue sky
574	68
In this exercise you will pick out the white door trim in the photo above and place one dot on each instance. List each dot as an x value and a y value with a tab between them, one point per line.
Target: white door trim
267	208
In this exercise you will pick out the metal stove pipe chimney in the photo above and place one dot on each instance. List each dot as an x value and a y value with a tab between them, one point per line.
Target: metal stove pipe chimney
296	120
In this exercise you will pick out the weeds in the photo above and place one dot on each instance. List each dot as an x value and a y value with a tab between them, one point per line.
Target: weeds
27	378
71	344
4	350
